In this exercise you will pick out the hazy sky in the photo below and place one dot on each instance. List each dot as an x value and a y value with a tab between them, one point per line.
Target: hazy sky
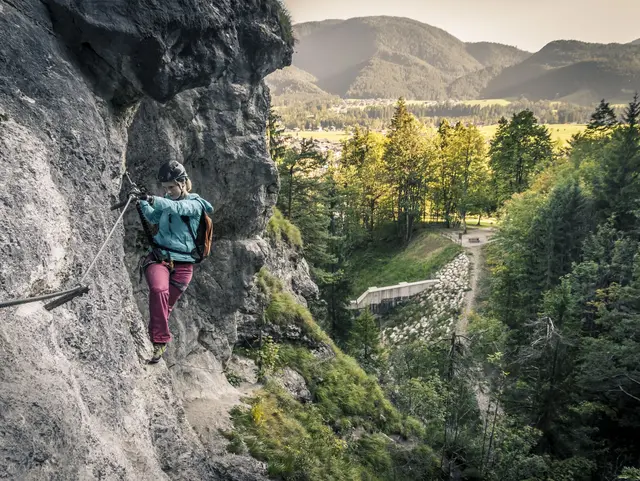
527	24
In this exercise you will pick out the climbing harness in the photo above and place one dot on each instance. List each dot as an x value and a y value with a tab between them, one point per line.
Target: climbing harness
80	289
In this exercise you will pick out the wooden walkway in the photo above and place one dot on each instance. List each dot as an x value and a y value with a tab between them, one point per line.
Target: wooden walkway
380	298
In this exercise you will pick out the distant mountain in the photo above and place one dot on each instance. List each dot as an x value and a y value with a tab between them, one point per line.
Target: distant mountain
388	57
292	80
374	56
584	72
495	54
302	30
473	84
494	57
391	75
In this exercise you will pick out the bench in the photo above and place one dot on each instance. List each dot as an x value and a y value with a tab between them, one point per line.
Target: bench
474	240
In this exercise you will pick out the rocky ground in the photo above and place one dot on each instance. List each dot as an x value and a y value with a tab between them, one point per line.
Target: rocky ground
434	312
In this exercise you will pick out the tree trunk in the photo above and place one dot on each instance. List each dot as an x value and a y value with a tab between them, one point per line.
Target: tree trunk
372	206
493	429
407	233
484	435
290	196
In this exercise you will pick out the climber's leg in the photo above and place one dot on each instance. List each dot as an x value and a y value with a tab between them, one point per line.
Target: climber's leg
157	276
180	279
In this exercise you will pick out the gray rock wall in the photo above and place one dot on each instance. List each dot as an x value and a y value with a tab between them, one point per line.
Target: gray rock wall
79	86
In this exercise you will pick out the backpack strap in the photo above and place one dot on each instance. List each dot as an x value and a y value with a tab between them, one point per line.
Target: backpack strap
145	224
185	219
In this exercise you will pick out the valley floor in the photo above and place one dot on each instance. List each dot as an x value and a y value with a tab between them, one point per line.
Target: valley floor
561	133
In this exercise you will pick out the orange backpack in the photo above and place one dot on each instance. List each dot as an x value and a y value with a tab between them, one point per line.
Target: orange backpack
204	237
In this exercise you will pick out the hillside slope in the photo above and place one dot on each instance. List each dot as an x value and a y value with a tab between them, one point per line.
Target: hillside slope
571	68
496	55
472	85
342	55
292	80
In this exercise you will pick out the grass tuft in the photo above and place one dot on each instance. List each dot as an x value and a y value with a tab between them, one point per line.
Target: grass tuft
279	227
283	309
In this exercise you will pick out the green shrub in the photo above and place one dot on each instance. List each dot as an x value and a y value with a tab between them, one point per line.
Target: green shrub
296	442
236	444
630	474
267	357
293	439
344	393
268	283
374	452
418	462
233	378
284	309
278	226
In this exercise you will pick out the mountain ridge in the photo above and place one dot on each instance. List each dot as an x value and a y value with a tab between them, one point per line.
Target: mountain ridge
388	57
566	67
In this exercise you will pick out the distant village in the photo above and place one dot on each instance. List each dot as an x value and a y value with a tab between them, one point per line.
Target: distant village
363	103
293	139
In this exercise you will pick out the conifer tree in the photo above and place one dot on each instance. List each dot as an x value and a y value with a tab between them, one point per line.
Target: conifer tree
520	148
275	140
303	198
617	188
603	119
364	342
361	168
471	152
406	164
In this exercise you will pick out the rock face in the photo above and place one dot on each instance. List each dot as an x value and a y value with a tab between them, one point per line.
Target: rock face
162	47
288	265
294	383
79	85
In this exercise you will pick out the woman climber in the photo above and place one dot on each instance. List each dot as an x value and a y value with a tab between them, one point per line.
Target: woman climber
169	266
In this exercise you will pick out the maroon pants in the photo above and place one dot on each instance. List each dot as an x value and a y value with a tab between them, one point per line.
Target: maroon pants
165	288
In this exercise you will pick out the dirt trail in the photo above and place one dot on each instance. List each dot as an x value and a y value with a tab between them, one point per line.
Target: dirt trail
476	257
481	236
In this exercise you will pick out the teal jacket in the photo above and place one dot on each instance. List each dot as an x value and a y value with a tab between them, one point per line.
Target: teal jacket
172	231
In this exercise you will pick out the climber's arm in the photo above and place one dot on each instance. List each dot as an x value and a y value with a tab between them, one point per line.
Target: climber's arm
187	207
152	215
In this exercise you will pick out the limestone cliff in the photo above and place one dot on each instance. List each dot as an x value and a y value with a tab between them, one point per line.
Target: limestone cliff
88	89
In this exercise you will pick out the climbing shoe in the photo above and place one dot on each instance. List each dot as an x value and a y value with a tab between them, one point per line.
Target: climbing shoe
158	351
